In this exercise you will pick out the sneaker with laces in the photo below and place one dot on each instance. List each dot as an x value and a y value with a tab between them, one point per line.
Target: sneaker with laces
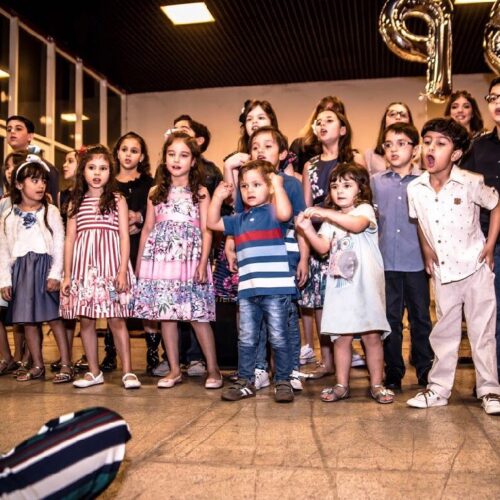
427	399
162	369
241	389
357	360
196	368
261	379
491	404
283	392
306	355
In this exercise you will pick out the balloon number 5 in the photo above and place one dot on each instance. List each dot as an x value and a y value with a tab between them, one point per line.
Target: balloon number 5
433	48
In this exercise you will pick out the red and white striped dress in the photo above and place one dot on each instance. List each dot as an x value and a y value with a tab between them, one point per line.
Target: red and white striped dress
96	259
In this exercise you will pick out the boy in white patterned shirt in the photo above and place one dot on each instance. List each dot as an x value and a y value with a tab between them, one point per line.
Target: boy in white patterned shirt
446	200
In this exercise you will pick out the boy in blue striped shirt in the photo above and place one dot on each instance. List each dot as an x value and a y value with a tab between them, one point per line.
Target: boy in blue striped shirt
266	283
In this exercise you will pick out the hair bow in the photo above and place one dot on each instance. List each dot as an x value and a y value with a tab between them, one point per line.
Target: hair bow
32	159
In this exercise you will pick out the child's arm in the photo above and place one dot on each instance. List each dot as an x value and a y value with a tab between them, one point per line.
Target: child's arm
56	224
318	242
69	245
430	257
5	268
121	279
149	223
351	223
231	166
230	251
306	184
281	202
303	266
214	219
206	237
489	247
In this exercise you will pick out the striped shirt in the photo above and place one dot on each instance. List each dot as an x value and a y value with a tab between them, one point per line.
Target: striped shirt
263	265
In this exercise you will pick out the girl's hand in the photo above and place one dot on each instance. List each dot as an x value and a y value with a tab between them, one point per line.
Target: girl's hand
223	190
317	213
121	282
133	229
303	222
302	273
200	275
134	218
65	287
237	160
6	293
53	285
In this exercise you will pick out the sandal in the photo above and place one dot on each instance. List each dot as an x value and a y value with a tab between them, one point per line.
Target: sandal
22	368
381	394
64	376
335	393
320	372
7	366
34	373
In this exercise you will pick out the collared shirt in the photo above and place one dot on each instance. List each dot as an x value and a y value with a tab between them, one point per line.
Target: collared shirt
450	220
484	158
398	238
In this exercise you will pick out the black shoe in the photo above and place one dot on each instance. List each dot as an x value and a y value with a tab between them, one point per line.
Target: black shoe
82	364
55	366
393	385
108	363
152	358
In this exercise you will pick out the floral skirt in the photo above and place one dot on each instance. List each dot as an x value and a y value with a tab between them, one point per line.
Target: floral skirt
313	293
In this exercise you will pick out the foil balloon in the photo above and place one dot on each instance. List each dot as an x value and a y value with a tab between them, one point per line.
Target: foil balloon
491	41
433	48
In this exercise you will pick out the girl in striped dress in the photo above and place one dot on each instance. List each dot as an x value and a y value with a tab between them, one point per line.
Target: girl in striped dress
97	271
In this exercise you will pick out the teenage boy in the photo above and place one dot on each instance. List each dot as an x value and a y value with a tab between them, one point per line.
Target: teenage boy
20	133
269	144
266	283
484	158
446	200
406	282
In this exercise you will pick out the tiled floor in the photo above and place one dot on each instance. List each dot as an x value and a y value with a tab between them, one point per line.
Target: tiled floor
187	443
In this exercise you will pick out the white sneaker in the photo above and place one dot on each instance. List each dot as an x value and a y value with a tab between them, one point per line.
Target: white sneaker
196	369
427	399
491	404
357	360
162	369
261	379
306	355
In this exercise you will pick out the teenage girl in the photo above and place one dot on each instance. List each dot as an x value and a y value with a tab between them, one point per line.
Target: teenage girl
97	270
463	108
355	288
174	279
31	252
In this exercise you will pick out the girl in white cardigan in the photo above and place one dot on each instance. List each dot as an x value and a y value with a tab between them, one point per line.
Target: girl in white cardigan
31	256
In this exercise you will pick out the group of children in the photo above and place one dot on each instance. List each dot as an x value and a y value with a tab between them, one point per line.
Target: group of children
346	248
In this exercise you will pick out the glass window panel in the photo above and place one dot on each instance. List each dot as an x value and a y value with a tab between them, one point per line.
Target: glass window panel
114	117
32	80
65	101
4	66
90	109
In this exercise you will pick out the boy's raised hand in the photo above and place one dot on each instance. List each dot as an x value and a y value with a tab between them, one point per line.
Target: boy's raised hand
223	190
237	160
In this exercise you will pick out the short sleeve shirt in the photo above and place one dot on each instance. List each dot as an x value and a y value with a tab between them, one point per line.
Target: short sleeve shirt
450	220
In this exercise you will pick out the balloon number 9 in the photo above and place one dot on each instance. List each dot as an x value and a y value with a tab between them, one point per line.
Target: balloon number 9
433	48
491	42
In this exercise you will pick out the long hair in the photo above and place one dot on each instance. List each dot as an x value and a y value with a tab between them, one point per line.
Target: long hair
359	175
380	138
22	172
476	122
17	157
163	178
143	167
249	106
107	201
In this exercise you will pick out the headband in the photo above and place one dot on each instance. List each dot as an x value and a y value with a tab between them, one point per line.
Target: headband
32	159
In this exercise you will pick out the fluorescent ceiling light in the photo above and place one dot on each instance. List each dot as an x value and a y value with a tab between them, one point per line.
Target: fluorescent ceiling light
4	74
71	117
188	13
461	2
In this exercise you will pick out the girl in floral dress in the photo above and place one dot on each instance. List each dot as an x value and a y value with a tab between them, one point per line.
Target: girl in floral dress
174	279
97	270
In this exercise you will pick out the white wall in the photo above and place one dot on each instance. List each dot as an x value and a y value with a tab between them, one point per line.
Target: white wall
151	114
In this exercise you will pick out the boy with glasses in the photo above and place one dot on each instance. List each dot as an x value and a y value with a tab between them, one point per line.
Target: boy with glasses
406	282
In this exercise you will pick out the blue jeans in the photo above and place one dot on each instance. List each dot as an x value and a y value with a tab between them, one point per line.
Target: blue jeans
269	312
293	340
496	257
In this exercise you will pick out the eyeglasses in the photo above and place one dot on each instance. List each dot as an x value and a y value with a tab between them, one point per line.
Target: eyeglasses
491	98
395	114
398	144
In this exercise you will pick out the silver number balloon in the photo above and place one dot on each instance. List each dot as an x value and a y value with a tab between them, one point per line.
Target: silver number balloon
433	49
491	41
